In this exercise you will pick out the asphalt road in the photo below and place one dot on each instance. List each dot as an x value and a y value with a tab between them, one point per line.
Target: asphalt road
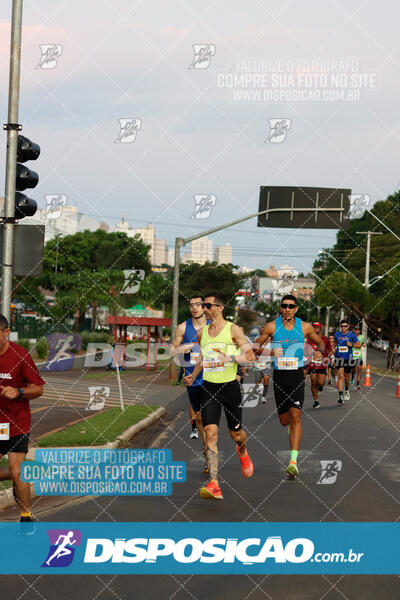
362	435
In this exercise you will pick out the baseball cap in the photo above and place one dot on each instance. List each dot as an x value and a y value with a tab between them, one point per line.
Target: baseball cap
317	324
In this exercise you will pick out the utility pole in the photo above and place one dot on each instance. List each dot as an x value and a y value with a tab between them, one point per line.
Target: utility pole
366	281
12	128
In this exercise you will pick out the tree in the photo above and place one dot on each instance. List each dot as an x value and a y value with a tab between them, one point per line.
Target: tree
380	303
202	279
87	269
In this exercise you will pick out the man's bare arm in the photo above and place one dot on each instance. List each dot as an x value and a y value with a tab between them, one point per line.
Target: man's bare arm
267	333
246	355
177	347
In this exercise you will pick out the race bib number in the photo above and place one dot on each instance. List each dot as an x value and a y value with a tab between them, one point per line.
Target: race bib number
317	361
4	431
290	362
343	349
213	366
193	358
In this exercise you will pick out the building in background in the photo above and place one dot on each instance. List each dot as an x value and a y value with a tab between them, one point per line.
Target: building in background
223	254
201	250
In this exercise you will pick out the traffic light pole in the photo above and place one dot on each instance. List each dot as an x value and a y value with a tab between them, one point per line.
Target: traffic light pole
12	128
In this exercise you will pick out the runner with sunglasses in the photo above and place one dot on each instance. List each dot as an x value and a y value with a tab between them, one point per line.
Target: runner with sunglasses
344	342
223	345
287	334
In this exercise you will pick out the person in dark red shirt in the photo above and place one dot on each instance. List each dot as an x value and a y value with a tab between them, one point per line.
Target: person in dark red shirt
318	365
19	382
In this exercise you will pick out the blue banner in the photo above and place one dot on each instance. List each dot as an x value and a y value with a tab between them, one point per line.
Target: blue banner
208	548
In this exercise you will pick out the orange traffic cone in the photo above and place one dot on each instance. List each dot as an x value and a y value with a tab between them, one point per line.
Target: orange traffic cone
367	380
398	387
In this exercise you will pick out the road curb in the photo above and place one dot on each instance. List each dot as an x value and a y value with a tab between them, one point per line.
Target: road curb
6	497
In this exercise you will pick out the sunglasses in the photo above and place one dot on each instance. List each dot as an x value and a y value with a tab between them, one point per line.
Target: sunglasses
284	305
343	326
208	305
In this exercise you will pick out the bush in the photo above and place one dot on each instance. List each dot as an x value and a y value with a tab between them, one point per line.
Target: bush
25	344
93	337
42	347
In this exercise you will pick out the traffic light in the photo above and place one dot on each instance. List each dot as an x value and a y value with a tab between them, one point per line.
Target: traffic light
25	178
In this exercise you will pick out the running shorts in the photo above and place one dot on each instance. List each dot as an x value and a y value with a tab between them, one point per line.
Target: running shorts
194	393
288	389
218	396
16	443
358	362
344	363
318	371
260	373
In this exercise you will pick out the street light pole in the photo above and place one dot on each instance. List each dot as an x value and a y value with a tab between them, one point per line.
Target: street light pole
12	128
364	330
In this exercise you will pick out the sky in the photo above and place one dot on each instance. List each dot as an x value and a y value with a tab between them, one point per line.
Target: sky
199	132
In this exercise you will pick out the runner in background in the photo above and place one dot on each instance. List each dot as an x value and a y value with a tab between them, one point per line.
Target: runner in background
263	367
186	343
317	367
358	357
331	363
344	342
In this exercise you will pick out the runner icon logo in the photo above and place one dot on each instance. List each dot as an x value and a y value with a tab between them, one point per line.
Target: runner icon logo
252	394
128	130
278	130
97	397
63	543
203	54
329	471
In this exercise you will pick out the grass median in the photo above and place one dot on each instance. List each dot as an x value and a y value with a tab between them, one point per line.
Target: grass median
97	430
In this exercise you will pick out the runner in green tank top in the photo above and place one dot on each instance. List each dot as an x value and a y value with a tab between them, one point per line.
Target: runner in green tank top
222	345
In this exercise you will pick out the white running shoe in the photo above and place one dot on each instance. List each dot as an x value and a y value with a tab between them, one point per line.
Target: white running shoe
346	395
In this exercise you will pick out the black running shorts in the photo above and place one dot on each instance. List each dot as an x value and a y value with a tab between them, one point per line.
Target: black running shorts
194	392
218	396
16	443
288	389
344	363
317	371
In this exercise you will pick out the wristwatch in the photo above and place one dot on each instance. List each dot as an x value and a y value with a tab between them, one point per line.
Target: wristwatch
21	393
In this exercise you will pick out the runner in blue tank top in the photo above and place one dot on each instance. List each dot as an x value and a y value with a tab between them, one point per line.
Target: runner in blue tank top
287	334
186	345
